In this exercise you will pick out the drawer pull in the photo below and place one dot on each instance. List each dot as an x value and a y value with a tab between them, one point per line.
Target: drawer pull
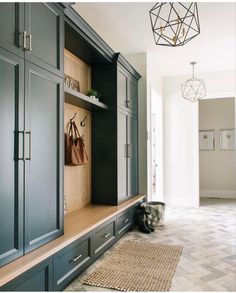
76	258
107	235
127	220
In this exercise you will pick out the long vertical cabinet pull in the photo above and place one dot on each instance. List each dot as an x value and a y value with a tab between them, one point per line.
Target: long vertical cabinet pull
25	40
30	42
29	145
129	150
21	147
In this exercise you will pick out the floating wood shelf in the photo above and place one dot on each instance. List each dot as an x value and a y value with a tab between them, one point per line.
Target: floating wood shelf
80	100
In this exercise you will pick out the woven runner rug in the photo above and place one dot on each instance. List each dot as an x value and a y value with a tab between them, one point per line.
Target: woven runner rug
138	266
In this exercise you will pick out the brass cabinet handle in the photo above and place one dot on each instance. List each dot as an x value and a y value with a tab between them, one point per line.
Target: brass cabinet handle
29	146
29	37
129	103
23	145
30	42
25	40
107	235
129	150
76	258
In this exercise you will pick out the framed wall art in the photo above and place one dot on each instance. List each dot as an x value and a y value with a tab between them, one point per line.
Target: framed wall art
227	139
206	140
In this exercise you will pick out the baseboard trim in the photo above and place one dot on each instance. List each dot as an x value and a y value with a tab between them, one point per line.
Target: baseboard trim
218	193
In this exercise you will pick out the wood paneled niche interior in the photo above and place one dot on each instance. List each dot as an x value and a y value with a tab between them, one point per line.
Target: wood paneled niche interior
77	179
78	70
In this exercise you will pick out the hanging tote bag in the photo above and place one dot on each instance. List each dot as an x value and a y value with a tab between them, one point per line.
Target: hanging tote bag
75	153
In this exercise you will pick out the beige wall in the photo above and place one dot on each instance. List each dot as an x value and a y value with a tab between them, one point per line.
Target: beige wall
217	167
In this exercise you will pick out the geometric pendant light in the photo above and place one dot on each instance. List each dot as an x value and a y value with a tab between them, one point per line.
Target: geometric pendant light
174	23
193	89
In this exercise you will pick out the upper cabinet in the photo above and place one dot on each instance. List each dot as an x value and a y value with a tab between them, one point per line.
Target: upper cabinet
127	90
12	27
45	36
34	31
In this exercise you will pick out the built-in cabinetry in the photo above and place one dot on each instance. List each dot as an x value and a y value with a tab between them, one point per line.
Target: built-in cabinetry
32	148
24	33
31	111
65	258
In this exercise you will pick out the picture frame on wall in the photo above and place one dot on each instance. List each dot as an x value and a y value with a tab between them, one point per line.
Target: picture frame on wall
227	139
206	140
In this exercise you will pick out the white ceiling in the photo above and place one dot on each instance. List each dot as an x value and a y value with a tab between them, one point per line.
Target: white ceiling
125	26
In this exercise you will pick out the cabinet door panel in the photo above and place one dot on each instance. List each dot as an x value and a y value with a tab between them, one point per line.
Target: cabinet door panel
133	155
45	23
11	170
44	148
133	95
122	88
39	278
12	27
122	155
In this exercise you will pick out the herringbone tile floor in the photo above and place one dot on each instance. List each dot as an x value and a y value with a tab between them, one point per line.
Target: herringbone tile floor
208	235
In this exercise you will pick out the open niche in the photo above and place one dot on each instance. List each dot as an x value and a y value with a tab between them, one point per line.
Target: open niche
80	60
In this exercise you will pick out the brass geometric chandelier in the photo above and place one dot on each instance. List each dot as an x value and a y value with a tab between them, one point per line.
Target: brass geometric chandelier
193	89
174	23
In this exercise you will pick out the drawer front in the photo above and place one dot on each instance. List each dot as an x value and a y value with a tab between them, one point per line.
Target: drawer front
124	221
104	235
72	260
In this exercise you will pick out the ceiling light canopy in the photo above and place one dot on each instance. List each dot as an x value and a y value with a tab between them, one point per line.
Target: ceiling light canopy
193	89
174	23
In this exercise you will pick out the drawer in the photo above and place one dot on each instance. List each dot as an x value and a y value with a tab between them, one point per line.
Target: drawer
104	236
70	261
124	221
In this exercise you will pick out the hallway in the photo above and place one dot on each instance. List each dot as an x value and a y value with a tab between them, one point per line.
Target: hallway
208	235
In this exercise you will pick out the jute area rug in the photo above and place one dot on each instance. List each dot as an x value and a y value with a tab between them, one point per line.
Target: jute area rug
138	266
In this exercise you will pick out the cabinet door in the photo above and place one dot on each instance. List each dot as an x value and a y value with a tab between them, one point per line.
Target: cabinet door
132	97
132	155
44	22
39	278
11	170
12	27
122	87
44	156
122	154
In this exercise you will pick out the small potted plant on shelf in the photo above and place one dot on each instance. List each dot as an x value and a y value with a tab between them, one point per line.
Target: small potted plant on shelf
93	94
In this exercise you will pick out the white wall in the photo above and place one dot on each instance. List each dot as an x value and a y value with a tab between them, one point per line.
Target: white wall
217	167
181	155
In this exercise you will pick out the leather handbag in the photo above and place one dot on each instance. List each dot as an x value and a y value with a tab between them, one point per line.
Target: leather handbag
75	153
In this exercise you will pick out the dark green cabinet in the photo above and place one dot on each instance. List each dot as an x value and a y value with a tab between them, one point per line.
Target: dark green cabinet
127	90
127	150
44	24
34	31
31	125
39	278
31	156
12	27
43	153
11	170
